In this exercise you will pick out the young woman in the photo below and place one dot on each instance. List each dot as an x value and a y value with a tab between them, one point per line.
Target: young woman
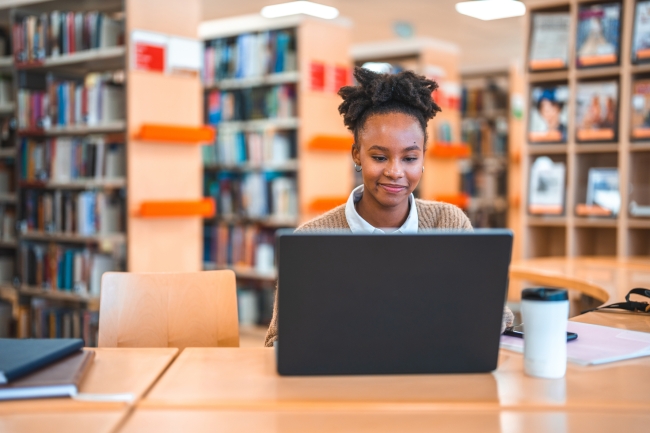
388	116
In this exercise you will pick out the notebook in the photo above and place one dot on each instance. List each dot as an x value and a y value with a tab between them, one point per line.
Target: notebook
19	357
595	344
60	379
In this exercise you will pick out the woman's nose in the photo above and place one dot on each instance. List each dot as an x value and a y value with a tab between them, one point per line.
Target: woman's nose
394	170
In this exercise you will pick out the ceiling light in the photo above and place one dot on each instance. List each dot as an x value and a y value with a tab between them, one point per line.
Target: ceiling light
300	7
491	9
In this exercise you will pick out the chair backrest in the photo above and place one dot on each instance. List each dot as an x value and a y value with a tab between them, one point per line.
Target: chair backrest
187	309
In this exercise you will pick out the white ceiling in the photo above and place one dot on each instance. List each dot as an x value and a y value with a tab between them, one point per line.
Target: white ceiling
484	45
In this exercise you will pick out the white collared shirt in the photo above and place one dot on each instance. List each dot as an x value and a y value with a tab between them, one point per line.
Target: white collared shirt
359	226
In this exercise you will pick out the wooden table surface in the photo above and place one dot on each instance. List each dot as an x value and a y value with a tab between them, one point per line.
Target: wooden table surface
606	279
398	421
221	378
115	372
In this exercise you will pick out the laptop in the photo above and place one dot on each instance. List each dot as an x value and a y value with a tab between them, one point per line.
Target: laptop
391	304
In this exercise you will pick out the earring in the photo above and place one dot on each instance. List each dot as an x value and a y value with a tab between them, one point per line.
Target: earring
422	169
357	168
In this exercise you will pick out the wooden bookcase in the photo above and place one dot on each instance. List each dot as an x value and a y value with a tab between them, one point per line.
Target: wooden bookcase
571	235
142	244
322	175
438	60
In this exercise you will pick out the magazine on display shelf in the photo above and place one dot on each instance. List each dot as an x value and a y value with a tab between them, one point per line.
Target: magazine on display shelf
640	115
546	187
549	42
598	38
641	35
548	113
596	111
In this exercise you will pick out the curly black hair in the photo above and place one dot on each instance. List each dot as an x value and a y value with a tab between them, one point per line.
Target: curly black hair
405	92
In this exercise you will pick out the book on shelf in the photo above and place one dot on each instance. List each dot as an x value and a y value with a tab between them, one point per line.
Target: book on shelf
268	102
256	148
39	36
6	178
549	41
66	269
638	210
640	115
49	319
641	35
603	196
85	213
7	269
253	195
64	159
546	187
548	113
249	55
7	223
486	100
245	245
96	99
599	31
6	90
255	306
486	138
597	110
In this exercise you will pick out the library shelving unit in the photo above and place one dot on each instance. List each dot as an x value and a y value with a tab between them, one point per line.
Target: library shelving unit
271	104
437	60
571	234
75	115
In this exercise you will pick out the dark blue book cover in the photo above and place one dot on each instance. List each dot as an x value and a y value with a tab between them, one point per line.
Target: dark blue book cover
19	357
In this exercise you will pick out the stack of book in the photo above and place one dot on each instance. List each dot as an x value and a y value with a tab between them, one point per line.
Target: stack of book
238	245
254	195
36	37
85	213
65	158
249	55
268	102
69	269
236	147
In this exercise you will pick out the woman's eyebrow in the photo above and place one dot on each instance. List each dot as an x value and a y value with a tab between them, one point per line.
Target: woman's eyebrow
375	147
408	149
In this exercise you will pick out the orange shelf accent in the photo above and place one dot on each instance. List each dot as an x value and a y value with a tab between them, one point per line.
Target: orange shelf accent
323	204
331	143
450	150
176	134
177	208
460	200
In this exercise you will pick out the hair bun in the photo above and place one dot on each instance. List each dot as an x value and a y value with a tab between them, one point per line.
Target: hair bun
375	90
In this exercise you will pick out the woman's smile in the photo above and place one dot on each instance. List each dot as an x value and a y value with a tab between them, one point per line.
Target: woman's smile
392	188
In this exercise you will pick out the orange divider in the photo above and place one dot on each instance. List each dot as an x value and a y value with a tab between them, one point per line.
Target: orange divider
323	204
450	150
177	134
460	200
331	142
177	208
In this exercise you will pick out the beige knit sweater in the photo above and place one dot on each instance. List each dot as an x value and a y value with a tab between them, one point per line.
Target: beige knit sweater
431	215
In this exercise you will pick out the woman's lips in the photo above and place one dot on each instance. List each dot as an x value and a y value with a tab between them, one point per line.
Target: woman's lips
392	189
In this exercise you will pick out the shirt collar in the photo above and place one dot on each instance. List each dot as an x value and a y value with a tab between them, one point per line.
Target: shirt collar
360	226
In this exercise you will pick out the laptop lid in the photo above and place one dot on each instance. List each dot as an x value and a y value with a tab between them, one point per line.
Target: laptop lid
391	304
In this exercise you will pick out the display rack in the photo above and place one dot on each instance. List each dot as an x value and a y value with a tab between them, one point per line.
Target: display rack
295	52
572	233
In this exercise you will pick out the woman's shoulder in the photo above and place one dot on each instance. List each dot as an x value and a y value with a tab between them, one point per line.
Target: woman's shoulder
330	220
439	215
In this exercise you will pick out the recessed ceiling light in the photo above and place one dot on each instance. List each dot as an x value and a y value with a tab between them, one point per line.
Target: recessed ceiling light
491	9
300	7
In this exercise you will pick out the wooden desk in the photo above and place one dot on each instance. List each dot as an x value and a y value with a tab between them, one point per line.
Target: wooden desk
114	371
355	421
606	279
221	378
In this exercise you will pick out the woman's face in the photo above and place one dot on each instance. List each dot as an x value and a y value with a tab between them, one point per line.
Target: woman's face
390	151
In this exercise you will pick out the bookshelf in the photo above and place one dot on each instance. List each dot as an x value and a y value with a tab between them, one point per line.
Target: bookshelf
574	233
76	196
437	60
266	110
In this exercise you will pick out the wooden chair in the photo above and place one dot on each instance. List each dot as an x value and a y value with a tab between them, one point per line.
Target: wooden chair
191	309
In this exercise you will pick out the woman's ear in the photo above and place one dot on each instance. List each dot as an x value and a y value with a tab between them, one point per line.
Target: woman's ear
356	156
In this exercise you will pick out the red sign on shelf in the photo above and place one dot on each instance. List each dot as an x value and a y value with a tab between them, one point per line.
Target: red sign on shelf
149	57
317	73
341	75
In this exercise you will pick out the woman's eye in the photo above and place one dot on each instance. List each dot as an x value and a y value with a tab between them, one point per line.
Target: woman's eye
410	159
379	158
